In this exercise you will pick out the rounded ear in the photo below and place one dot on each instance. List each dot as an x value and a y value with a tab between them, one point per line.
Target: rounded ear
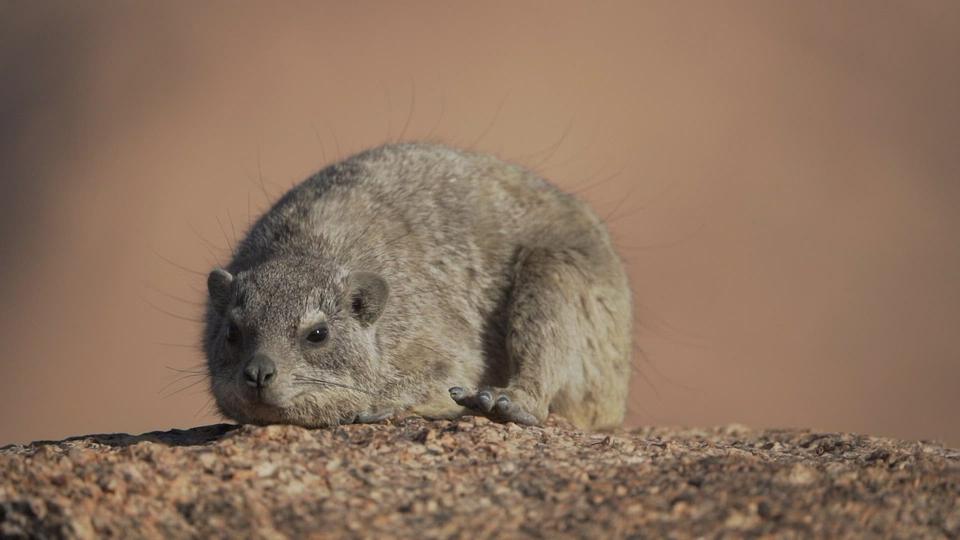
218	285
368	296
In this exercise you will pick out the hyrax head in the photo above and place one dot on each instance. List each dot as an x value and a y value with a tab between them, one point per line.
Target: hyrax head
293	340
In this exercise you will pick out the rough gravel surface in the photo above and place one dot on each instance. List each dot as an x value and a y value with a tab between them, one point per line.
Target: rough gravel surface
472	478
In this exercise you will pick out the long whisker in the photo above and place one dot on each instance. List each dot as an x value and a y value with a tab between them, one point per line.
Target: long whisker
187	387
173	296
178	380
170	313
176	265
208	408
192	347
436	126
413	102
198	371
486	131
309	380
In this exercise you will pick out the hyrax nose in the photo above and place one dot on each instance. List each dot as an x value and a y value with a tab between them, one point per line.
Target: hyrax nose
260	372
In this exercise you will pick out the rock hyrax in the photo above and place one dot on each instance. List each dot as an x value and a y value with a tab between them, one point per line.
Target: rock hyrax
420	278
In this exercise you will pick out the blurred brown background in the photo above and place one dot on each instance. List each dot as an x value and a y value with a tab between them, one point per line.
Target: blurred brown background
783	178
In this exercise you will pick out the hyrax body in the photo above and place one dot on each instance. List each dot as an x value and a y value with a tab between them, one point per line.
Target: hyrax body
419	278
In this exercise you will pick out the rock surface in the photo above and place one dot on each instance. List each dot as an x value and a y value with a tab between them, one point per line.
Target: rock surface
472	478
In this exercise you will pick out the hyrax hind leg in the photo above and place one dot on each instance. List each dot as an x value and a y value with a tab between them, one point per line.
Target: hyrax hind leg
567	342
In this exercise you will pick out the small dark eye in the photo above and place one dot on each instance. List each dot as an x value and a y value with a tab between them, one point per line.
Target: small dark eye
233	333
317	335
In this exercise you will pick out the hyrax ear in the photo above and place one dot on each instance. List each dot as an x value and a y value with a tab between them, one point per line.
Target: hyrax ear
218	285
368	296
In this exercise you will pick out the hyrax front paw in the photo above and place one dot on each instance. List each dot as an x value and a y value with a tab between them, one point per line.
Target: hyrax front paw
495	403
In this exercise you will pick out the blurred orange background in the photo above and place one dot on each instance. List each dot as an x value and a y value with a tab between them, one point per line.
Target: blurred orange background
782	178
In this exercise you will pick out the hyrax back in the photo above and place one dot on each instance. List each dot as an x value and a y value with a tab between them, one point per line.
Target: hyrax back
420	278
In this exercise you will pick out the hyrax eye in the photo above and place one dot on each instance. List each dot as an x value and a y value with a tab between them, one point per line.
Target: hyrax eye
318	335
233	333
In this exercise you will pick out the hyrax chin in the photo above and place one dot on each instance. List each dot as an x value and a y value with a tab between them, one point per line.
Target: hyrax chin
420	278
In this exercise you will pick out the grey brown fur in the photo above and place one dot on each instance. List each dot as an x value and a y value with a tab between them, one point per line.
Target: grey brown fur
431	280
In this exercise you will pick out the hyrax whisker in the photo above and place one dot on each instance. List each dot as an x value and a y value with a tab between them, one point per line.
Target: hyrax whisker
176	265
198	371
336	142
177	380
436	125
389	115
223	231
233	227
190	346
550	150
263	184
311	380
207	407
185	388
413	102
195	303
323	150
623	199
214	250
598	183
170	313
486	131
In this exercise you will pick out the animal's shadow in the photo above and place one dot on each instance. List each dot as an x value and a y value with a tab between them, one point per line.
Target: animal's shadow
175	437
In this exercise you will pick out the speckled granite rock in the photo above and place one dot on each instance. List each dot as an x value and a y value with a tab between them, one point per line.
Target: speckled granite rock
473	479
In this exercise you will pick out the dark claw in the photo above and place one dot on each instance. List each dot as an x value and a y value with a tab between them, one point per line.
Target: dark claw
486	399
503	402
456	392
